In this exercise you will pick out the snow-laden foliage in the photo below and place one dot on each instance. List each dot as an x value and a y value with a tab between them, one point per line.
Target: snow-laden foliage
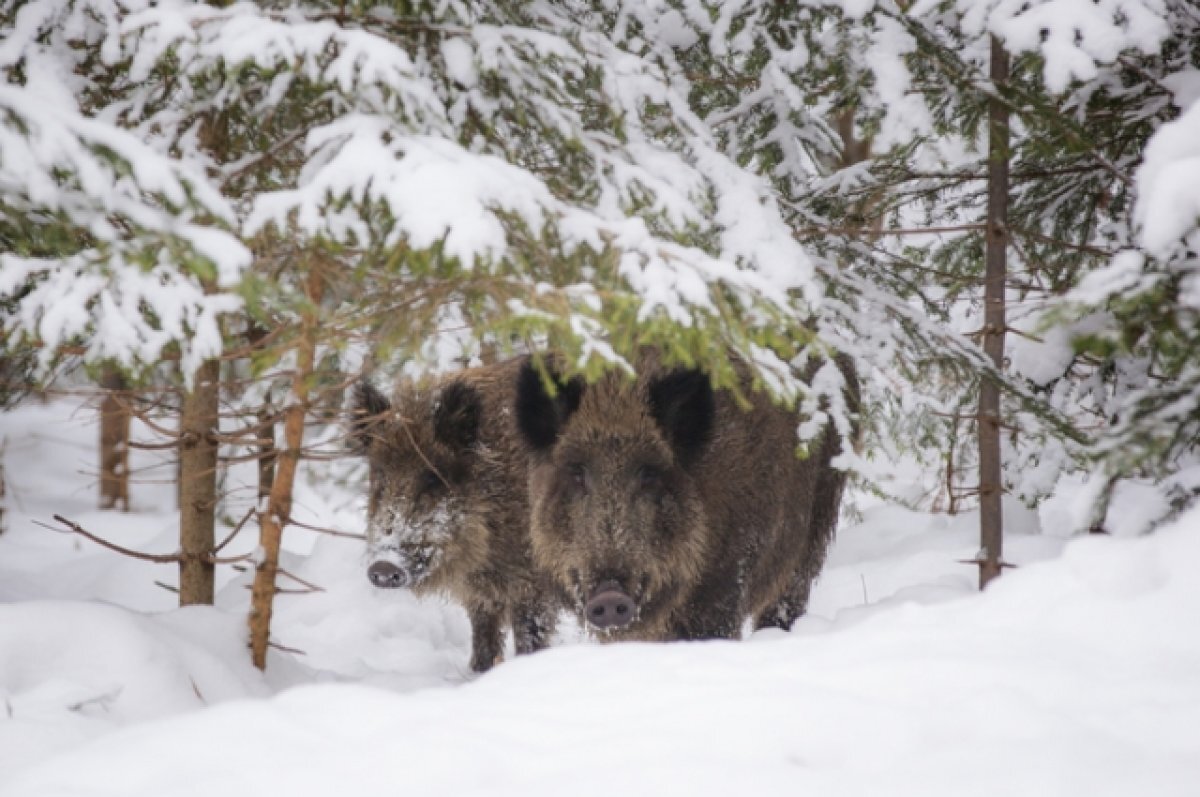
109	240
511	161
1168	206
1142	309
869	117
456	179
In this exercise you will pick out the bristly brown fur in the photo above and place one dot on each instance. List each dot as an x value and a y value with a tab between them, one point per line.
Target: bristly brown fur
448	500
700	510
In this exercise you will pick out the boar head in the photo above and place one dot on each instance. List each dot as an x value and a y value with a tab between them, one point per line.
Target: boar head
422	527
616	515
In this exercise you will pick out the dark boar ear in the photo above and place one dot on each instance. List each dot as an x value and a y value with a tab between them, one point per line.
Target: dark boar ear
683	404
367	408
540	416
457	416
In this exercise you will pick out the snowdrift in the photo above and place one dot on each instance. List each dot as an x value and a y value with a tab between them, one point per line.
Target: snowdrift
1077	675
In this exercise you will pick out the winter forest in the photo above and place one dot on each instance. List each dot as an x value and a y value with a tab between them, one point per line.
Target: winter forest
933	266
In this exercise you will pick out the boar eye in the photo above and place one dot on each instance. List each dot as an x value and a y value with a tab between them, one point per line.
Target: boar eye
431	482
649	478
577	473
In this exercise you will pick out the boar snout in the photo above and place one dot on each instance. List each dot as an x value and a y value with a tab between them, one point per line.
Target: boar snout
387	575
609	606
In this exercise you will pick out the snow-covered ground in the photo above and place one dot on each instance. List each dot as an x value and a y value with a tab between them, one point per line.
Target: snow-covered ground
1077	673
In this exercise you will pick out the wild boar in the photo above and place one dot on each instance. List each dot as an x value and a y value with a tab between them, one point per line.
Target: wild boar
448	510
667	511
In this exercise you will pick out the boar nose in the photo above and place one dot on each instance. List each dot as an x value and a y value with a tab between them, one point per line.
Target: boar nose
610	606
386	575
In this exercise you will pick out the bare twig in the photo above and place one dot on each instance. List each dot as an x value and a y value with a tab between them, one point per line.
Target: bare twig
236	529
103	701
969	416
153	446
980	563
334	532
228	560
1049	241
872	233
311	587
196	690
157	558
172	434
172	558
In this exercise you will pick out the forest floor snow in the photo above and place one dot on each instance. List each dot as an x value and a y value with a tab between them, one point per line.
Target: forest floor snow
1078	672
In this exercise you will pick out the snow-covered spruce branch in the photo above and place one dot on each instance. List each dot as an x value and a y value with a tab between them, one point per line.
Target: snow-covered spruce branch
878	343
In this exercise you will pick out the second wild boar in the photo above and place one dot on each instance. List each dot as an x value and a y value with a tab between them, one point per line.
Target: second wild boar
447	509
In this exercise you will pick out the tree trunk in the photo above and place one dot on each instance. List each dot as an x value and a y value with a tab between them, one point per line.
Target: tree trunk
265	434
279	504
867	215
114	442
266	451
198	485
3	501
991	521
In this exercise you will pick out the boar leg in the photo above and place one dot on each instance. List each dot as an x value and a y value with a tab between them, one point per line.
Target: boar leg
487	636
712	611
791	605
533	624
827	499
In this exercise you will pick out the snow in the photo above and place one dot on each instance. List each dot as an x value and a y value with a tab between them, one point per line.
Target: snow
1075	35
1168	206
1073	674
460	62
1040	351
437	191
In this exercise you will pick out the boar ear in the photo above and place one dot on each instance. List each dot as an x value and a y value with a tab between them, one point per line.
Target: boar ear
367	408
540	416
457	415
683	404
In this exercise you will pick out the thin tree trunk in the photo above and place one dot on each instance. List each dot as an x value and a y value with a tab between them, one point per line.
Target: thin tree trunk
266	445
991	519
3	497
279	504
266	451
855	150
198	485
114	442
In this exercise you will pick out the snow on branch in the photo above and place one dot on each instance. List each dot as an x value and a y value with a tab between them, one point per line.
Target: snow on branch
356	61
53	158
123	312
1168	204
1073	36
